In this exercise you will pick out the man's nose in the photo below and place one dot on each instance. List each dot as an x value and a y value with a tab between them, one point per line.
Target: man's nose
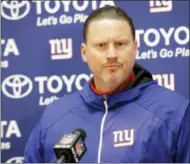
111	54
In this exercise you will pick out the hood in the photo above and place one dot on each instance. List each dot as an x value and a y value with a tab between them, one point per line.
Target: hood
142	80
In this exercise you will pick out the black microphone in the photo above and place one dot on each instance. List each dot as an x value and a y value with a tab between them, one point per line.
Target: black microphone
71	147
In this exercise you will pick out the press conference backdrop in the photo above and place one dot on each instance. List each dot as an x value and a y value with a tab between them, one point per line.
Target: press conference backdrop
41	59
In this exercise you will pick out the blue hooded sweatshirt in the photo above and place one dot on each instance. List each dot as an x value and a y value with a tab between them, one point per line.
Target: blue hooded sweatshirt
142	123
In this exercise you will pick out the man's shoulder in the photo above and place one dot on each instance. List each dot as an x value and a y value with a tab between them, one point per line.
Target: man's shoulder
163	102
163	95
60	107
65	102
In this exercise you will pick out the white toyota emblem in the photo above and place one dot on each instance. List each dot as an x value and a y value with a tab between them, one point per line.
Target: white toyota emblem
17	86
14	10
15	160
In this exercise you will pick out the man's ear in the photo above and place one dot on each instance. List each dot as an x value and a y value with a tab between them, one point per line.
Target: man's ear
83	52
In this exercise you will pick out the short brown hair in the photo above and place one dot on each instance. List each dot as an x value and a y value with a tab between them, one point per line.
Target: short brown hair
111	12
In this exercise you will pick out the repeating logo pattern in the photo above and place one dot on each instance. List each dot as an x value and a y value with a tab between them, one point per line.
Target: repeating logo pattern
155	42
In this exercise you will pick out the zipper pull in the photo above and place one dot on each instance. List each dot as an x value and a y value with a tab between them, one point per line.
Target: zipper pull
104	98
105	102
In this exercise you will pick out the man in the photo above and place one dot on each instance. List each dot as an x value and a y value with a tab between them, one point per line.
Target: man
126	115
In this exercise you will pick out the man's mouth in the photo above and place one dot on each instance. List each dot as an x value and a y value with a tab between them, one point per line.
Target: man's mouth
112	65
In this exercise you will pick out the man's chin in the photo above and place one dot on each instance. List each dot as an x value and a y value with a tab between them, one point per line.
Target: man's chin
112	79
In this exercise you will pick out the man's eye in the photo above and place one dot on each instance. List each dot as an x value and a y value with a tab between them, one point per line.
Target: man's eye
119	44
101	45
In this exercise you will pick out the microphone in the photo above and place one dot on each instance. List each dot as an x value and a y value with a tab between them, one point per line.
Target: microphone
71	147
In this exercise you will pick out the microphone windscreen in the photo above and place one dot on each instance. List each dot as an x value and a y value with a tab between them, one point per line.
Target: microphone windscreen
82	132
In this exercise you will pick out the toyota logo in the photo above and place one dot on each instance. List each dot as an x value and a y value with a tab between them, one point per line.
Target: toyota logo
15	160
14	10
17	86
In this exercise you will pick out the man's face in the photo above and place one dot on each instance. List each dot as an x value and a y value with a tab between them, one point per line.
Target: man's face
109	50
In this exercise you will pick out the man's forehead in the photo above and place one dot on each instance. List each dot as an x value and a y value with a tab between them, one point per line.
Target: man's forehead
107	21
110	38
109	29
